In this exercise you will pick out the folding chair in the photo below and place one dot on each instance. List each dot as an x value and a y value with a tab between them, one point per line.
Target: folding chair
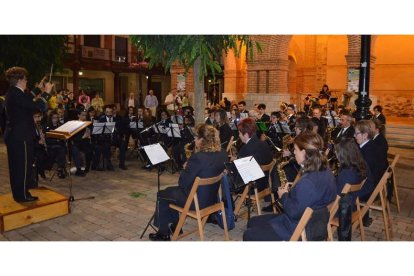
394	181
229	148
258	195
200	215
356	215
381	191
300	228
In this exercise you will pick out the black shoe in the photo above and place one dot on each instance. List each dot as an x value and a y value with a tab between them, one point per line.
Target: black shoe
123	167
212	219
80	173
366	220
27	199
159	237
268	208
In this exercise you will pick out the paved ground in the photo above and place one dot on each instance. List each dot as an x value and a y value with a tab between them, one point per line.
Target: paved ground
116	215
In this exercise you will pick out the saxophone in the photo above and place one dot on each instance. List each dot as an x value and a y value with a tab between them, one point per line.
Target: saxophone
283	182
189	149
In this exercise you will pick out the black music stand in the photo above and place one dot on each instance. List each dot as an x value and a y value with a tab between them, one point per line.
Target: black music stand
173	132
156	155
100	129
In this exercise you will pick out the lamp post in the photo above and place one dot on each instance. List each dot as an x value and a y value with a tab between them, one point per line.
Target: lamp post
363	102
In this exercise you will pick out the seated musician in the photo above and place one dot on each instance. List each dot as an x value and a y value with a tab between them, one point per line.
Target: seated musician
207	161
325	93
210	116
321	122
352	168
225	131
92	116
291	118
346	128
62	115
260	150
307	103
315	189
262	116
56	147
274	131
186	138
130	116
148	118
115	139
81	142
40	150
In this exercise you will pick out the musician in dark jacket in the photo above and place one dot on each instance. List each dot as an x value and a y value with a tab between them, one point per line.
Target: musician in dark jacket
378	114
315	189
207	161
20	130
81	142
56	147
346	129
220	117
260	150
320	121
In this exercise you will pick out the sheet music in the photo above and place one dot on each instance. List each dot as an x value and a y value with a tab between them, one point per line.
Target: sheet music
232	125
177	119
97	128
70	126
109	127
286	128
135	125
173	131
248	169
244	115
156	153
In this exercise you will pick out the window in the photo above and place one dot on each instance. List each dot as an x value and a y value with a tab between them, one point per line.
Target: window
121	49
92	41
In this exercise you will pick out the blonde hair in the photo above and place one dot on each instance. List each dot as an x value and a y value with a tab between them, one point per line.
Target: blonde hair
209	137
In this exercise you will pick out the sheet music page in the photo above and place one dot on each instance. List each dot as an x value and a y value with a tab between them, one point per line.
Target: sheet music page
133	125
97	128
243	115
70	126
109	127
248	169
286	129
177	133
140	124
156	153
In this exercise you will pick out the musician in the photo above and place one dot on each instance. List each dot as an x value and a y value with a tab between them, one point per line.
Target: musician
291	118
81	142
307	101
262	116
172	101
92	114
130	117
186	138
274	130
260	150
378	114
381	147
242	107
20	131
352	168
40	150
207	161
325	93
346	128
56	148
115	139
62	116
220	117
315	189
210	117
320	121
147	117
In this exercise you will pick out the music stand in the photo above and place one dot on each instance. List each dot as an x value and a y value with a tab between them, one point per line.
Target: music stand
156	155
65	132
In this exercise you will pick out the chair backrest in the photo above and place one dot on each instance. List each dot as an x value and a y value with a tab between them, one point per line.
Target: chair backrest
356	187
268	167
300	228
394	162
199	182
229	145
377	190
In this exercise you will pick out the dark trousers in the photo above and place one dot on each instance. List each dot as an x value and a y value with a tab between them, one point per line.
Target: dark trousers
259	229
164	215
21	158
106	151
57	153
86	148
179	154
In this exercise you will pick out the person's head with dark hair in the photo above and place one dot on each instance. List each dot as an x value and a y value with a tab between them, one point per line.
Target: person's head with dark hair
220	117
300	114
37	116
234	107
303	124
207	139
378	127
325	88
189	120
247	128
349	156
53	119
91	113
261	108
164	115
364	131
274	117
290	109
346	119
17	76
131	111
242	105
377	109
309	152
109	110
82	114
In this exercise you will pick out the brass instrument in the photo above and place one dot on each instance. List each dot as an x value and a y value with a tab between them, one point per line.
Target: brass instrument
189	149
41	135
283	182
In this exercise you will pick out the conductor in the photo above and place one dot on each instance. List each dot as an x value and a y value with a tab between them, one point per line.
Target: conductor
20	130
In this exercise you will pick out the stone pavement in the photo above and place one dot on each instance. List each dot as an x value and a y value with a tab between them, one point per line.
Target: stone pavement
116	215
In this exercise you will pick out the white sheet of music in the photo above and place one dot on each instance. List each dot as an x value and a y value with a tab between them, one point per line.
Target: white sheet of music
244	115
97	128
248	169
109	127
70	126
156	153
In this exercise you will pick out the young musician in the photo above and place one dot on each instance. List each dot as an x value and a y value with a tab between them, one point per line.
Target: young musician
242	107
186	138
220	117
56	147
81	142
262	116
315	189
20	131
207	161
291	118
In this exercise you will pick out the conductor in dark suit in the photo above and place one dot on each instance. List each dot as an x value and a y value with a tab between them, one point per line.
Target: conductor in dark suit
207	161
253	146
316	189
20	131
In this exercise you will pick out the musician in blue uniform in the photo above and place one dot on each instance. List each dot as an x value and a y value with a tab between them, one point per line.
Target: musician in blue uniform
20	130
315	189
207	161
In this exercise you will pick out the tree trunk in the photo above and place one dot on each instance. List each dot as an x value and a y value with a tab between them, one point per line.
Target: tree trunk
199	101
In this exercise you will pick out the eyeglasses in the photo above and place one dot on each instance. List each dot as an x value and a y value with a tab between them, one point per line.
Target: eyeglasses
357	133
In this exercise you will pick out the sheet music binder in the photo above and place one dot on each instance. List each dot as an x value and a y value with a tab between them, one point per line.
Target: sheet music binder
68	129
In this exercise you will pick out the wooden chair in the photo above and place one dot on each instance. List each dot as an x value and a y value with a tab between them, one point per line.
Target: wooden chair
300	228
394	181
200	215
356	215
258	195
384	207
229	148
333	207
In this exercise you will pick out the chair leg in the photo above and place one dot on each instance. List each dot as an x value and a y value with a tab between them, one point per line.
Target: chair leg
200	228
256	195
180	224
330	235
359	222
223	215
273	201
394	183
241	200
384	216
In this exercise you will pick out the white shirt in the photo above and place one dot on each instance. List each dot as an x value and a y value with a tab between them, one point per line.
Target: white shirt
131	102
171	98
109	119
375	136
363	144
